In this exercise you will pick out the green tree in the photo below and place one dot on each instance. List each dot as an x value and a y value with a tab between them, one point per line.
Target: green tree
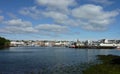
4	42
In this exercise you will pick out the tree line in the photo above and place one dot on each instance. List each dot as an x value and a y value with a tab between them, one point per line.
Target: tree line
4	42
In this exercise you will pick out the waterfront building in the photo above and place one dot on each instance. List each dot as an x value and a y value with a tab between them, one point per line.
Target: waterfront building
88	43
17	43
103	42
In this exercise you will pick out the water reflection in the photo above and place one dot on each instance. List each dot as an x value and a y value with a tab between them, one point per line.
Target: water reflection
47	59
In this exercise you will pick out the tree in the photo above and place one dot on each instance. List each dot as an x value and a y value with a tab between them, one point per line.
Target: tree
4	42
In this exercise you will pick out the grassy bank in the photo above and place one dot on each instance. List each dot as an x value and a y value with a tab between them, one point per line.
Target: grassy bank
110	64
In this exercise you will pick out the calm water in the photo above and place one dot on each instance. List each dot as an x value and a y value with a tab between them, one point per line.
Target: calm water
23	60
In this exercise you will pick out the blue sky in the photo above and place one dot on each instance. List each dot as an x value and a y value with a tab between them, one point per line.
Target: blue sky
59	19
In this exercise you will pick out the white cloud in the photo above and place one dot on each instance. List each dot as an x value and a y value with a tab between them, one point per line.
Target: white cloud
90	11
52	28
18	23
60	18
31	11
1	18
93	17
37	13
58	4
108	2
17	30
11	15
87	16
56	15
18	26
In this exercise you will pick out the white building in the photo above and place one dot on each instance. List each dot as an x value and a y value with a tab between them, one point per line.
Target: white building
15	43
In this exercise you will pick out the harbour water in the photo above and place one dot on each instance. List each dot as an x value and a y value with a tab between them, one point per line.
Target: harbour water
33	60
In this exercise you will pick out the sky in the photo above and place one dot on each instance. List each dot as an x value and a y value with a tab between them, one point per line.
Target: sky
60	19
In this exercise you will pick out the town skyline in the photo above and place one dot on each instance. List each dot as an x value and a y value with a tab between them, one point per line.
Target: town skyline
99	44
60	19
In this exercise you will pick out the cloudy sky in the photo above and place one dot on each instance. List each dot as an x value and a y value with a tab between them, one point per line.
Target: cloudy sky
60	19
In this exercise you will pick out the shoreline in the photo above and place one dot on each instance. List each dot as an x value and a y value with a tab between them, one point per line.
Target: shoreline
94	47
